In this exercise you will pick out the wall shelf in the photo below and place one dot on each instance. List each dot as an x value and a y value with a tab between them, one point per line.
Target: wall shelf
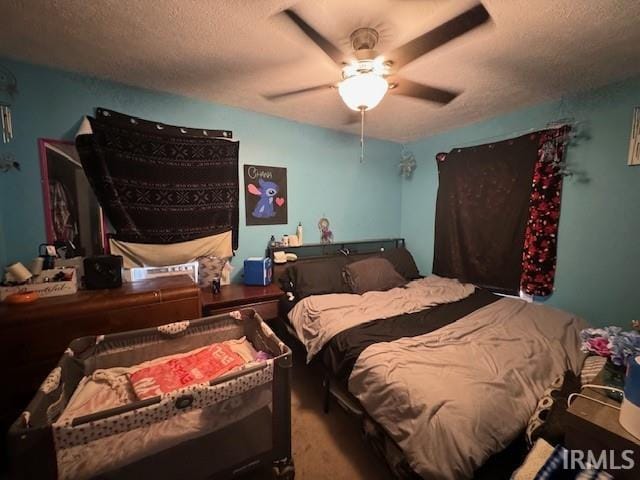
309	250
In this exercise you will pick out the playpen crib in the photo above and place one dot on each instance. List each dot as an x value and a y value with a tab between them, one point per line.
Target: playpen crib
220	429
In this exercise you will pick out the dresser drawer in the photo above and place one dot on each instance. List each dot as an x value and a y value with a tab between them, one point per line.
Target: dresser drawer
267	310
27	342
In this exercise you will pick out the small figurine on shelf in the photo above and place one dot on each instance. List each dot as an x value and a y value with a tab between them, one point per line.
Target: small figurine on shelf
326	235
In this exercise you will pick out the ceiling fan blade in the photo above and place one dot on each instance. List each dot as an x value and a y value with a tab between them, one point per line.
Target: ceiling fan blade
423	92
446	32
327	47
291	93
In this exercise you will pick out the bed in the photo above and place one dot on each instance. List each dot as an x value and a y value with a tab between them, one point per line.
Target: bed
444	375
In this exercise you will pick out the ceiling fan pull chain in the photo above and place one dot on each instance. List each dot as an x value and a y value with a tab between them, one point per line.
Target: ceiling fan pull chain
361	135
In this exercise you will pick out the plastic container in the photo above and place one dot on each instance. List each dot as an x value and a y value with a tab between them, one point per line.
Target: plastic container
257	271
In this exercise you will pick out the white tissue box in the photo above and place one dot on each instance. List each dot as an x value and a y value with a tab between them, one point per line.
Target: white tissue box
46	289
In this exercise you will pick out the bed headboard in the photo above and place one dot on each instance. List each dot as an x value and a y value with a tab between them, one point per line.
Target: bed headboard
314	251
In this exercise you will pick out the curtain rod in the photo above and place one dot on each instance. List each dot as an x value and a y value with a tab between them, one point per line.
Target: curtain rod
563	122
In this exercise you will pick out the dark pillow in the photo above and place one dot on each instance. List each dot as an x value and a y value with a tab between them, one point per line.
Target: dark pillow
372	274
318	277
550	418
403	262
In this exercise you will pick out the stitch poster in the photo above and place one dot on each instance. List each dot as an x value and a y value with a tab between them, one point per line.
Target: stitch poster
265	195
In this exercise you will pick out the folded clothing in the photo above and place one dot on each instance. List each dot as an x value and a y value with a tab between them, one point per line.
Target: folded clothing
203	365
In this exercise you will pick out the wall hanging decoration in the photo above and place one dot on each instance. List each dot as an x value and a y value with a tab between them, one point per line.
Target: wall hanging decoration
161	184
265	195
8	162
407	163
8	91
326	235
634	141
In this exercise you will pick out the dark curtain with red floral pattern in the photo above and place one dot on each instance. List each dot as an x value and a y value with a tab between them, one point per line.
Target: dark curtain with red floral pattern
481	212
497	213
541	235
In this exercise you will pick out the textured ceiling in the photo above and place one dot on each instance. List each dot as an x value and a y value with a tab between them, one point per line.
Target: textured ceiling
231	51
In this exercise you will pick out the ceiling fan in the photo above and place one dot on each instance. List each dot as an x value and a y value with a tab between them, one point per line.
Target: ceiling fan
367	75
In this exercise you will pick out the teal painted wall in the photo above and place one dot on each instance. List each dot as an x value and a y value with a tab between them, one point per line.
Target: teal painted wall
3	181
325	176
598	274
599	254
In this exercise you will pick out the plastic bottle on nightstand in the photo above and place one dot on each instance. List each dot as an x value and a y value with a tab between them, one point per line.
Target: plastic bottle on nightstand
299	233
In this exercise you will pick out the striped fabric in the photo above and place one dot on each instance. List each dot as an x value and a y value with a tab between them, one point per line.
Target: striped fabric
553	469
591	368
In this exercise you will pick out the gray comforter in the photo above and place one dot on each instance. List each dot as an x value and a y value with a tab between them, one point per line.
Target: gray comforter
317	319
454	397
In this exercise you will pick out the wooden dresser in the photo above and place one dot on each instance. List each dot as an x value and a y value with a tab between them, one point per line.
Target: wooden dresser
34	336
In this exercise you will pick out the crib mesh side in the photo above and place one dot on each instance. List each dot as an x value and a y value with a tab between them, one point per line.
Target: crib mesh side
219	435
30	436
222	454
238	413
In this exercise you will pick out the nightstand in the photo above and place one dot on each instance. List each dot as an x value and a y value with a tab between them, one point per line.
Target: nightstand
263	300
595	427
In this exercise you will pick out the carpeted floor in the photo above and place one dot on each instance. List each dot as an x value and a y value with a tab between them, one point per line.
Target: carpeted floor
325	446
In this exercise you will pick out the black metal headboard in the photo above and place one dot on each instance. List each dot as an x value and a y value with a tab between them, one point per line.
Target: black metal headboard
310	251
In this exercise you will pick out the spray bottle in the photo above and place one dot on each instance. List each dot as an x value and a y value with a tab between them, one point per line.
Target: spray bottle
299	233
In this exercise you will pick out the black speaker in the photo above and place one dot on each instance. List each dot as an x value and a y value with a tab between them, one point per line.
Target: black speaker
103	271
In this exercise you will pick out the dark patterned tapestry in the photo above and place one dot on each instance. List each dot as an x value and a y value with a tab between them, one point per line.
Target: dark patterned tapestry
541	236
159	183
482	210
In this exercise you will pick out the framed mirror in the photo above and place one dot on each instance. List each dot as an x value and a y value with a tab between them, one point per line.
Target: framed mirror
73	217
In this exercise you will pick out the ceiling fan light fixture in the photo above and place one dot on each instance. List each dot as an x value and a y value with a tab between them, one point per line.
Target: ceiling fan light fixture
363	92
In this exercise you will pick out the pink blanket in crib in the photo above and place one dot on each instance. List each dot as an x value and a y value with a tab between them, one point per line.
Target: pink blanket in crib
199	367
